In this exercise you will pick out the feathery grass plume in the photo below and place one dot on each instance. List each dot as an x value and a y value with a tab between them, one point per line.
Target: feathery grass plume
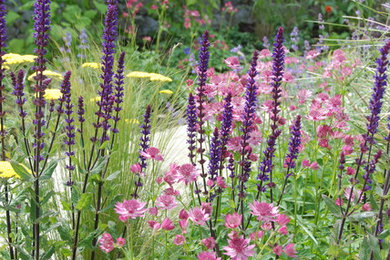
204	56
375	106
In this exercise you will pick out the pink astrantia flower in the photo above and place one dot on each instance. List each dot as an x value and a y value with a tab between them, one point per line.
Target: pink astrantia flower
233	220
221	182
166	202
290	251
152	153
198	216
366	207
183	223
282	219
167	224
264	211
339	202
130	209
120	241
283	230
135	168
239	248
208	256
183	214
278	250
179	240
209	242
106	243
154	224
256	235
187	173
153	211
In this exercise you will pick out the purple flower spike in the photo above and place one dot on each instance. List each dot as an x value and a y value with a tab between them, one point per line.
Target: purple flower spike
119	76
18	92
378	92
247	125
107	101
41	35
226	127
295	142
145	132
215	155
191	127
81	110
277	76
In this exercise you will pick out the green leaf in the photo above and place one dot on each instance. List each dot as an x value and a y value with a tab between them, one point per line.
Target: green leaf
48	172
22	171
331	205
113	176
384	234
49	253
64	232
99	166
85	201
364	249
191	2
362	215
90	13
11	17
101	7
374	246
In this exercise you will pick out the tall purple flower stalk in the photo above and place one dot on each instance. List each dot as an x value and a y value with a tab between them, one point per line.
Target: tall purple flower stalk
247	124
191	127
293	151
144	144
3	132
81	120
119	76
226	127
375	106
246	129
266	165
41	37
109	37
215	157
204	56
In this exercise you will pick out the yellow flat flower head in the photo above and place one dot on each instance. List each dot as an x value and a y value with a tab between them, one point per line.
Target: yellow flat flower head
14	58
93	65
132	121
52	94
159	77
166	91
138	74
95	99
48	73
7	171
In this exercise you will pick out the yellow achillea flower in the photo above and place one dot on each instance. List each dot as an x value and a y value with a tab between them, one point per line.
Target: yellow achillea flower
14	58
166	91
95	99
151	76
7	171
159	77
48	73
132	121
138	74
93	65
52	94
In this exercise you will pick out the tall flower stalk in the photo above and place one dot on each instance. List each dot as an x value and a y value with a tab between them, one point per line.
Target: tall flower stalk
204	56
41	35
266	166
375	106
3	132
246	129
